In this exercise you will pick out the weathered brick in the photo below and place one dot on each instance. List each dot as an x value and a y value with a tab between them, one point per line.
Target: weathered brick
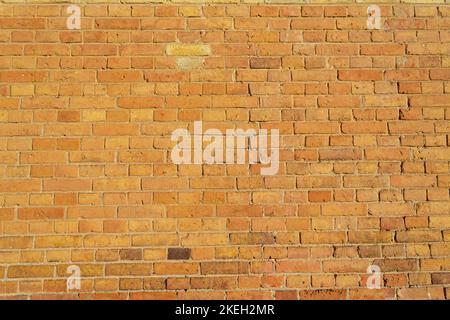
177	49
86	118
179	253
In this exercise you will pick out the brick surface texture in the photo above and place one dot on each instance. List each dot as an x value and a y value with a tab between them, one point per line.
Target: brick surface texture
86	176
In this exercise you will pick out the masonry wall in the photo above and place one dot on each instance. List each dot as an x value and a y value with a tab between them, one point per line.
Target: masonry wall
86	176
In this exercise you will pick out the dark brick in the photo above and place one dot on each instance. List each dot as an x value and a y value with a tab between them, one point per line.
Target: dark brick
179	254
440	278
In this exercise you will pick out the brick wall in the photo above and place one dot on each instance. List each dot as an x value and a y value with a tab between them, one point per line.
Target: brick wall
87	179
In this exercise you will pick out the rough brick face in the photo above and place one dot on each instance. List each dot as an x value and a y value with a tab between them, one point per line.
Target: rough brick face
86	176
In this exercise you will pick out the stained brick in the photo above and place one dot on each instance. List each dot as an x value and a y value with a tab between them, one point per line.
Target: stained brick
86	175
179	254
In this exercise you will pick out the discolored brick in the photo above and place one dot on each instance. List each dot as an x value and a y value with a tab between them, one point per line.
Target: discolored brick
178	253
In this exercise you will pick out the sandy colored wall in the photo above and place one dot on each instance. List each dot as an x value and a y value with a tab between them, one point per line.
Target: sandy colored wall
87	178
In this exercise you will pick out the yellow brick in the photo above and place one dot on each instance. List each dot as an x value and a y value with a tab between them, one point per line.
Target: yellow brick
58	256
155	254
93	115
445	61
3	116
143	89
41	199
187	11
58	241
22	90
178	49
187	63
116	143
89	198
141	115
